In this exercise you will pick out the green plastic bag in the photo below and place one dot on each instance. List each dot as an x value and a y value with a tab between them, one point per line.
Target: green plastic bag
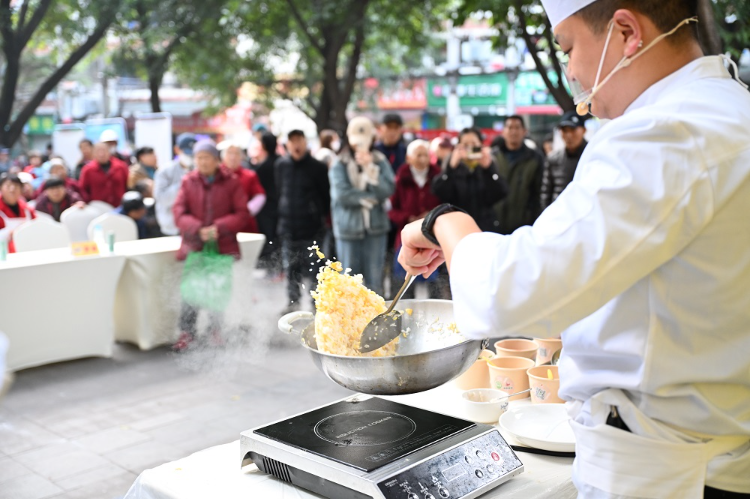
207	278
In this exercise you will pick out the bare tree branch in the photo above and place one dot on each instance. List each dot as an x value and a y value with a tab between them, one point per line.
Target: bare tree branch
22	14
36	19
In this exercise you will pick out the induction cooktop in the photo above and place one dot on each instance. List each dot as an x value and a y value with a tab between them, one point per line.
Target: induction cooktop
366	446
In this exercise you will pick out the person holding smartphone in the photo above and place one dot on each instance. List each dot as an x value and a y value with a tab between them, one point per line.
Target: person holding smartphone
470	180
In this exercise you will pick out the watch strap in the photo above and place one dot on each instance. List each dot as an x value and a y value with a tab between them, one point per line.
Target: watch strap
428	224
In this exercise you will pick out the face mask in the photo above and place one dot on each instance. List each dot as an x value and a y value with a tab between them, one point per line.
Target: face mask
112	149
185	160
335	145
583	98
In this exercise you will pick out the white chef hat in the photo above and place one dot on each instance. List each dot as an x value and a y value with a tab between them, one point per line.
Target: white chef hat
560	10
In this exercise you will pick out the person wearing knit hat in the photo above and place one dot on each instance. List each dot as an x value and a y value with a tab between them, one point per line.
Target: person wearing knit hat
640	265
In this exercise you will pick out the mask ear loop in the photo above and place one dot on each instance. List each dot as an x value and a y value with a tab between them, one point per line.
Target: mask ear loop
730	61
627	61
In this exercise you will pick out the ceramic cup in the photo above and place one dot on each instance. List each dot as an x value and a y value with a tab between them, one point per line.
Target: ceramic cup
516	348
543	389
484	405
547	349
477	376
509	374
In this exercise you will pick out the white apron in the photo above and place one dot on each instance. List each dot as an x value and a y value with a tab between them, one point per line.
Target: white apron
615	464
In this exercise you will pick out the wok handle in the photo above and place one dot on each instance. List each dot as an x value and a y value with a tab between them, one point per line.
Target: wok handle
295	322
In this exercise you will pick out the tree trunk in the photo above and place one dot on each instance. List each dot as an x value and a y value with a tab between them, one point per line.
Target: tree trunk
154	83
7	97
708	32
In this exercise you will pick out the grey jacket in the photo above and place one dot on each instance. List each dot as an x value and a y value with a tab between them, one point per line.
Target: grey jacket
167	183
559	170
346	205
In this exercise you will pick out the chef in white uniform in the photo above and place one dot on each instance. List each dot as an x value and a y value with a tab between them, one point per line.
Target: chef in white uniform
642	264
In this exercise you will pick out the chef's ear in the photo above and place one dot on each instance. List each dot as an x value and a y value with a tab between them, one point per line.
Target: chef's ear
628	30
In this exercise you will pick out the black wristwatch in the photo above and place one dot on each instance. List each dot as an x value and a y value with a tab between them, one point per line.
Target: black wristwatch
428	224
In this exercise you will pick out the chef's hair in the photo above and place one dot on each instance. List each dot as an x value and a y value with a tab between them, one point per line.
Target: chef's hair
665	14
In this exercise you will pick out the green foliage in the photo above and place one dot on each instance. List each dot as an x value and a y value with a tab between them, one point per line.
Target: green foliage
733	18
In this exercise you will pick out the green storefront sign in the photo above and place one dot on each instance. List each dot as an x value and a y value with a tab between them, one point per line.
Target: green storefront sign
486	90
40	125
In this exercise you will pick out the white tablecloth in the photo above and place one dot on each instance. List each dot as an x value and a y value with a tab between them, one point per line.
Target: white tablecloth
148	295
55	307
215	472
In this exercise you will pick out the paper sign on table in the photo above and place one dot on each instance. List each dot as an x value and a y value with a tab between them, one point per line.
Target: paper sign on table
85	248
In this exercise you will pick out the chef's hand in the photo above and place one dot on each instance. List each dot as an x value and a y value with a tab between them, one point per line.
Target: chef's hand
486	160
418	256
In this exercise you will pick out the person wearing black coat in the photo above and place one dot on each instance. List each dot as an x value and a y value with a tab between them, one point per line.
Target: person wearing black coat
304	196
470	180
268	217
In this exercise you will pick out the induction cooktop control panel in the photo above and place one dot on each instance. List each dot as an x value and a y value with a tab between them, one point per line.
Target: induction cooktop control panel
457	473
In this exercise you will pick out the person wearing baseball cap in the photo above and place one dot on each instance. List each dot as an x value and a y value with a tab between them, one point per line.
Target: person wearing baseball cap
167	182
391	140
641	264
560	166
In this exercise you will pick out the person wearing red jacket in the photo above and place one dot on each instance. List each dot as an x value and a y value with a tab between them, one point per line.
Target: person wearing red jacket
412	200
256	195
13	209
210	204
105	178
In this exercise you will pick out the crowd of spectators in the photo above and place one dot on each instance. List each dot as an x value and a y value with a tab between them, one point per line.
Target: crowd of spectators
351	195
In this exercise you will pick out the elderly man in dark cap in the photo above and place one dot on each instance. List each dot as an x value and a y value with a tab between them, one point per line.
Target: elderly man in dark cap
561	165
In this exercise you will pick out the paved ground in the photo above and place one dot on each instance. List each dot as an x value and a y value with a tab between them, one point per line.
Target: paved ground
87	428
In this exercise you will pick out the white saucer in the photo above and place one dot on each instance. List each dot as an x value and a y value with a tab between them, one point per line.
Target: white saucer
542	426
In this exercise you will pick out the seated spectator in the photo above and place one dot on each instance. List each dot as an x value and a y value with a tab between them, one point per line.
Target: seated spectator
145	188
256	195
411	201
132	206
210	205
470	180
13	209
105	178
58	169
144	167
56	197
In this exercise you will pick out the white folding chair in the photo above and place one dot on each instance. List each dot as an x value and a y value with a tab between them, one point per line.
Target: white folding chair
40	215
124	227
101	207
77	221
40	235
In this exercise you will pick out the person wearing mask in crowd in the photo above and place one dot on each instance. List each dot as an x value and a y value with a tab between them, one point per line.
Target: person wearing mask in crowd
560	167
329	147
267	217
133	207
361	183
167	183
5	161
256	195
144	168
112	140
641	264
105	178
56	197
87	155
304	202
412	200
391	141
13	209
210	205
58	169
470	180
35	164
522	168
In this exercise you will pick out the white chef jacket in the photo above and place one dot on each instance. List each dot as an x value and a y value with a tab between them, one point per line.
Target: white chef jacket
642	263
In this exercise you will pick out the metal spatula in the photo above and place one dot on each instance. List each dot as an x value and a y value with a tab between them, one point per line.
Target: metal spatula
385	327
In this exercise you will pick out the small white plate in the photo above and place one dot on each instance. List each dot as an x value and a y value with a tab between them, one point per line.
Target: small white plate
542	426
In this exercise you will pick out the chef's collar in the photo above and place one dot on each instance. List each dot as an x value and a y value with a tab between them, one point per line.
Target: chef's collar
704	67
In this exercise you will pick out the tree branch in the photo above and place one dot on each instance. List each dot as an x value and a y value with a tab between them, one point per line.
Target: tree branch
301	22
553	52
22	14
36	19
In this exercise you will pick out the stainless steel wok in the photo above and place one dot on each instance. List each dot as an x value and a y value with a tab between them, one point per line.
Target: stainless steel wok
427	357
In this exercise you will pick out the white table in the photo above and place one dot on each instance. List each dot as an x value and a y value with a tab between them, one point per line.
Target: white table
215	472
147	303
56	307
